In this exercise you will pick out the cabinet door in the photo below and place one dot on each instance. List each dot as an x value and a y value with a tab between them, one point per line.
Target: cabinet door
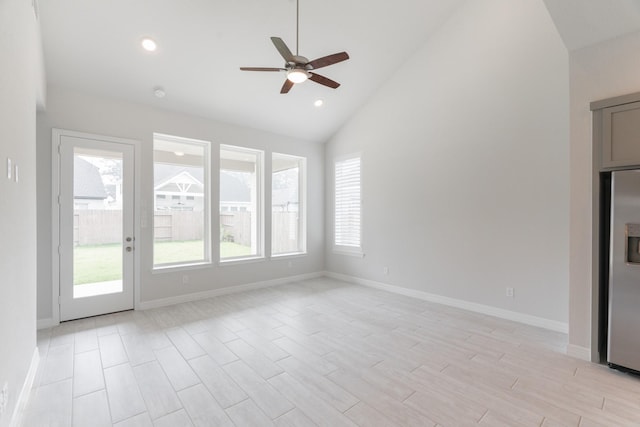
621	135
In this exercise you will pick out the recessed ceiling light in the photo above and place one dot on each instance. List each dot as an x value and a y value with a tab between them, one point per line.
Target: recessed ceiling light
159	92
318	103
149	44
179	153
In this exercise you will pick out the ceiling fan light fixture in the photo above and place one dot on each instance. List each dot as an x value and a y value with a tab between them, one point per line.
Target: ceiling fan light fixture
297	75
297	66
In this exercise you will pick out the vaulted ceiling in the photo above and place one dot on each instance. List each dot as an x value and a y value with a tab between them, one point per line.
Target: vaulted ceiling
94	47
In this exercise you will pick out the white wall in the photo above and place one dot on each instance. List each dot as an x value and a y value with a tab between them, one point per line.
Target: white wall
597	72
19	48
466	167
74	111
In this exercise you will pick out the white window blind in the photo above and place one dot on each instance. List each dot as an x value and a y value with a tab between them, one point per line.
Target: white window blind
347	204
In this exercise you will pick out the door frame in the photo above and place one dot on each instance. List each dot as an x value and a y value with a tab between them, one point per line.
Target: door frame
56	136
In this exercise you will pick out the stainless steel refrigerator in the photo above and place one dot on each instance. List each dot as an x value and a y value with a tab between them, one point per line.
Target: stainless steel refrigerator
623	350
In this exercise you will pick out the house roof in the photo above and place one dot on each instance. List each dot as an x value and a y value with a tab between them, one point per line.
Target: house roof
181	181
87	182
163	172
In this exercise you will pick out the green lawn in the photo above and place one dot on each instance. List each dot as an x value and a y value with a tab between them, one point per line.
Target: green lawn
230	249
101	263
96	263
170	252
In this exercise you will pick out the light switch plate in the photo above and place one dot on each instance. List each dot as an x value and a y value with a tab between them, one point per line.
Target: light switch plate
9	167
15	172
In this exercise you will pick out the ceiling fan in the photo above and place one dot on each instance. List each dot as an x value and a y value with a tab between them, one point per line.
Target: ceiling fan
299	68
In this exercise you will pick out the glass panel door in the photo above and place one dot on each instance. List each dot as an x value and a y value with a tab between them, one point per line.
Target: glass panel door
97	222
96	227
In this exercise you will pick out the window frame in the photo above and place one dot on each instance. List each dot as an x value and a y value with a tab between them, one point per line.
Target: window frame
260	205
302	206
356	251
206	157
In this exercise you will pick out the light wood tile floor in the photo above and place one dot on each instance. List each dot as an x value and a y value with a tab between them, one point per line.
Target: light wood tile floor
319	352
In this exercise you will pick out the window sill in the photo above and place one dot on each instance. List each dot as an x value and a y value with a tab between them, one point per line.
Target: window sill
234	261
177	267
289	255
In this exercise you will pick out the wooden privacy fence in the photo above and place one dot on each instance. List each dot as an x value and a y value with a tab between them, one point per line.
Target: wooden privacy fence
178	225
236	227
285	232
99	227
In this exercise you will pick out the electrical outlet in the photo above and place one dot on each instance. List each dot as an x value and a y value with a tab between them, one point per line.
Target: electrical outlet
509	292
185	279
385	270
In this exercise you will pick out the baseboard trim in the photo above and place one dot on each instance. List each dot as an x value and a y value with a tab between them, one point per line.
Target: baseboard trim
453	302
178	299
579	352
46	323
23	398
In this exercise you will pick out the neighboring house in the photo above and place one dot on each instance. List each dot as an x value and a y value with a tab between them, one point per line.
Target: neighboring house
88	189
181	188
178	188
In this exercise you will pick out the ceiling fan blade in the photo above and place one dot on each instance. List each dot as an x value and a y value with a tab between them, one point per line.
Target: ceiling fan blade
286	87
323	80
283	49
261	69
329	60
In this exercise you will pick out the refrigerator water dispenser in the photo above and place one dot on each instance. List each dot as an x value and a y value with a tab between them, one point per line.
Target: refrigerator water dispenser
633	243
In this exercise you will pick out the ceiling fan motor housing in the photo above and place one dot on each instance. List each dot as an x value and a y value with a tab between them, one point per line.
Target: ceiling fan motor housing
298	61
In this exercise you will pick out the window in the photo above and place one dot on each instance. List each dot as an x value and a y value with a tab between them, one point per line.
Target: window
241	203
288	209
181	231
347	232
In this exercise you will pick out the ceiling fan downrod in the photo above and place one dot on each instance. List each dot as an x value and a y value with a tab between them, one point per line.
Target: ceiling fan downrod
297	27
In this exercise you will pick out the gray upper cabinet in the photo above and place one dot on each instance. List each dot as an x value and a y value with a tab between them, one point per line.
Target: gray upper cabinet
617	124
621	135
